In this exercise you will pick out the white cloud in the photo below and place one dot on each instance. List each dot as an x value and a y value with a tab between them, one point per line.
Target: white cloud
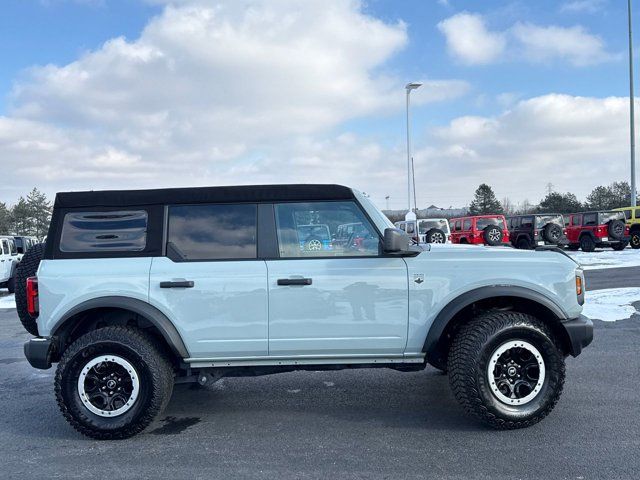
576	143
573	44
208	94
469	40
583	6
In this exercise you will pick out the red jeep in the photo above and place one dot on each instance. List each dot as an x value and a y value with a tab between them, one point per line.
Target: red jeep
480	230
589	230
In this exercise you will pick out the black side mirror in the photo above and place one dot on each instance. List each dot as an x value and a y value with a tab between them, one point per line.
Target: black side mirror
396	241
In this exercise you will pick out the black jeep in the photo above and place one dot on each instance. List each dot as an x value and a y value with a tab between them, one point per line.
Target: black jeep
529	231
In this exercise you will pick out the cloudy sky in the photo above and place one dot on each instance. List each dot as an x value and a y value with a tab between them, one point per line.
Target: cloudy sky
99	94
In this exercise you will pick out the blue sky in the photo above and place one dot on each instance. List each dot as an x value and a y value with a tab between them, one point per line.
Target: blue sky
526	75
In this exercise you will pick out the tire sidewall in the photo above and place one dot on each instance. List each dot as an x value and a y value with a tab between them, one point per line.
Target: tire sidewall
430	233
548	233
635	240
488	240
587	244
553	373
70	372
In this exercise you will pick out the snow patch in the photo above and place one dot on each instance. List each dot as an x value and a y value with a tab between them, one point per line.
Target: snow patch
8	301
611	304
607	258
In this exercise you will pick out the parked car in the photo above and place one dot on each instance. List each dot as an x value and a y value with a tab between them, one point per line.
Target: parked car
8	263
23	244
352	235
313	238
480	230
632	218
135	289
591	230
429	230
529	231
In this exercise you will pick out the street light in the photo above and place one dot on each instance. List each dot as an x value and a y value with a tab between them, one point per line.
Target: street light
632	133
410	214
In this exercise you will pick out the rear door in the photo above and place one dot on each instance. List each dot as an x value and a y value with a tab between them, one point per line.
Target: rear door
211	283
342	300
5	259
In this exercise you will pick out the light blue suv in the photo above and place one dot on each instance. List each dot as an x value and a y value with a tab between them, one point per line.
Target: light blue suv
135	289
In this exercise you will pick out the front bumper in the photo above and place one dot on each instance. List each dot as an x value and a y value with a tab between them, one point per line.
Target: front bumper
579	332
39	352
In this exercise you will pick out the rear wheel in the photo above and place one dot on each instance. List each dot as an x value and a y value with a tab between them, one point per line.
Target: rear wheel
112	383
523	244
506	369
587	244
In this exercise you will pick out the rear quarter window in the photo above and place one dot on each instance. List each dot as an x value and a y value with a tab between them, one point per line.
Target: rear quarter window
116	231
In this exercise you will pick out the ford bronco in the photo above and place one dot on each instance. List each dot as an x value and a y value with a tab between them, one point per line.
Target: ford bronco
136	290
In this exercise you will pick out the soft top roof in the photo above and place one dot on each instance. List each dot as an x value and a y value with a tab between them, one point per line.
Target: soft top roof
235	194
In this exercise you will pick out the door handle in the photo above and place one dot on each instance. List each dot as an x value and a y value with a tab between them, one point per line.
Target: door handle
177	284
294	281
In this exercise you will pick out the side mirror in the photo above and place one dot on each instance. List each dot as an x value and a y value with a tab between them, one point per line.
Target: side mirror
396	241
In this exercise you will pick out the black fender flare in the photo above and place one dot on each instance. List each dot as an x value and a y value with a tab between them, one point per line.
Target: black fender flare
526	236
151	313
446	315
587	232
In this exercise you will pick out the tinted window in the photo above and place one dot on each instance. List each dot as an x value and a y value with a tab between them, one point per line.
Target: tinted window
426	225
590	219
606	217
627	214
467	224
21	244
482	223
321	229
12	245
576	220
526	222
458	225
213	232
411	228
104	231
5	247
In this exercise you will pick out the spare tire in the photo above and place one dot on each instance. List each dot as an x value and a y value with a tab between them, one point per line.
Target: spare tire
435	235
616	229
492	235
27	268
552	233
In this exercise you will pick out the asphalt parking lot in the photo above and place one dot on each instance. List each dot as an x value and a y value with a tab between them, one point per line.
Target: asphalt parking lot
365	424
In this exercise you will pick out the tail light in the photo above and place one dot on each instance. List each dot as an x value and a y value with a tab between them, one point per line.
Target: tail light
564	231
535	232
32	296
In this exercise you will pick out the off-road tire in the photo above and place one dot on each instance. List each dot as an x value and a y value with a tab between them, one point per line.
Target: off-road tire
619	246
311	243
587	244
435	235
487	235
523	244
573	247
552	233
11	284
616	229
635	240
27	268
154	371
471	351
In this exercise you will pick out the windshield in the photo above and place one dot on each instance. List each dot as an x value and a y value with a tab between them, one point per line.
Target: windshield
606	217
482	223
428	224
542	220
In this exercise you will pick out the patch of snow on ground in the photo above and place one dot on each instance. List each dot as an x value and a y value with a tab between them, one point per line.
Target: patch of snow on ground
607	258
611	304
8	301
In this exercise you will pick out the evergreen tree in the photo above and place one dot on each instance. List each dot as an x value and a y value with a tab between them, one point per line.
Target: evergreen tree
485	201
5	219
556	202
39	213
20	218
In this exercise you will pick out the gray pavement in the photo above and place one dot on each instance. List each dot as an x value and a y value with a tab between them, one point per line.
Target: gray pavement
364	424
612	278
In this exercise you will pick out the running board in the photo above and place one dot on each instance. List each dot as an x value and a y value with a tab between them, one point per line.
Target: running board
302	360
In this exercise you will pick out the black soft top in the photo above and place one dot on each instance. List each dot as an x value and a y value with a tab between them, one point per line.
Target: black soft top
236	194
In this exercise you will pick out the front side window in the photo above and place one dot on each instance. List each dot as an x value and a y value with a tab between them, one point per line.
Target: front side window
458	225
467	225
411	228
4	247
121	231
324	229
12	245
213	232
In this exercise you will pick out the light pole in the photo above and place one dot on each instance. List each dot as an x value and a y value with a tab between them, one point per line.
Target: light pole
410	215
632	133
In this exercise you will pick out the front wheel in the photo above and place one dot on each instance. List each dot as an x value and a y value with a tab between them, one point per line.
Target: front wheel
112	383
506	369
635	240
587	244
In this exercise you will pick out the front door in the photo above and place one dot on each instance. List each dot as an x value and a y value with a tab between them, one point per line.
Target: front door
334	298
211	283
5	260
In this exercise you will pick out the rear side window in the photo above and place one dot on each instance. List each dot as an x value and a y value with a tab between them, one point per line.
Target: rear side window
213	232
119	231
4	247
627	214
482	223
527	222
590	219
467	225
458	225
